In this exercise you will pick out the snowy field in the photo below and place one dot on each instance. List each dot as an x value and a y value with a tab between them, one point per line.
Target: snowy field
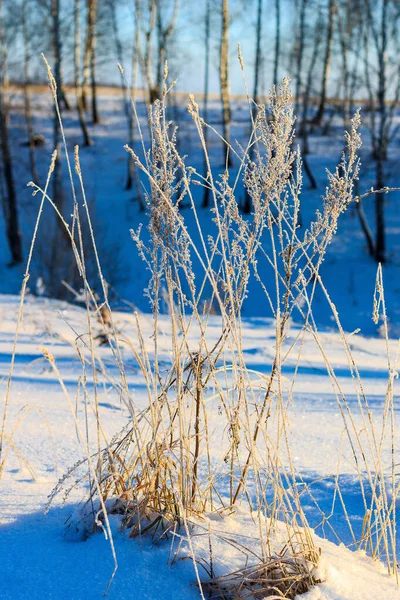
39	562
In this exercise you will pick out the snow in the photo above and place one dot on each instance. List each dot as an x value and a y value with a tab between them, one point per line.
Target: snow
38	561
351	576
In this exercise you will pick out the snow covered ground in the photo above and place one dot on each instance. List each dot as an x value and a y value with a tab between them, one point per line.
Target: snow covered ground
38	562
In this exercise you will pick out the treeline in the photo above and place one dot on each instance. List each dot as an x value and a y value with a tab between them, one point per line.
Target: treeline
346	49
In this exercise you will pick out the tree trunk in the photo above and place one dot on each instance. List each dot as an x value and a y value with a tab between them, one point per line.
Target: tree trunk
365	228
64	97
163	35
87	60
327	60
161	53
344	34
306	100
311	178
309	80
148	52
10	201
120	57
57	176
10	204
56	41
299	53
247	199
206	194
128	101
224	81
93	83
277	39
380	242
27	100
132	172
258	56
78	88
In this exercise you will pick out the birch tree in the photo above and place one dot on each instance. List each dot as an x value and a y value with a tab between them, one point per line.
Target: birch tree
247	199
277	39
27	100
57	175
206	193
89	61
224	80
384	95
10	200
77	77
326	64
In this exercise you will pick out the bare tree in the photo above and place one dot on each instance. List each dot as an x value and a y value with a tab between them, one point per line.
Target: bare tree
382	26
56	42
93	81
357	19
132	173
300	51
164	32
27	100
277	39
78	87
135	72
206	194
56	39
350	29
224	80
247	199
345	30
89	61
63	93
120	55
158	23
327	61
257	63
10	199
317	39
147	60
304	129
380	149
128	99
305	93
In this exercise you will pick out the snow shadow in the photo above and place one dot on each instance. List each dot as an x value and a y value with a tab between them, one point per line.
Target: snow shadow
39	563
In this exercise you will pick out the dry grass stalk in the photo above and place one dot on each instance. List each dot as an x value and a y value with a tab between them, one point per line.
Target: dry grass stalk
278	577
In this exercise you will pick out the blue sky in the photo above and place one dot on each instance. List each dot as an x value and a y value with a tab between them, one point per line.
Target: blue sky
188	51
